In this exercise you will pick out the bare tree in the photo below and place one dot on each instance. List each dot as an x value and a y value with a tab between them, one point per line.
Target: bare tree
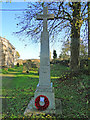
69	16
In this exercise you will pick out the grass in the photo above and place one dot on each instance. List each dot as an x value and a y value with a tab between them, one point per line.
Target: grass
18	90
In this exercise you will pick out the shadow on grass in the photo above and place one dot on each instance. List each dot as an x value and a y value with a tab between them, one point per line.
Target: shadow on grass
21	73
19	82
17	92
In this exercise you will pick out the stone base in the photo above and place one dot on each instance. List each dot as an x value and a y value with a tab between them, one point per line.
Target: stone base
54	104
53	108
33	111
49	94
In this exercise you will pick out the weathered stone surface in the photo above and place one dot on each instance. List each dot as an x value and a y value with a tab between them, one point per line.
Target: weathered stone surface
45	86
30	110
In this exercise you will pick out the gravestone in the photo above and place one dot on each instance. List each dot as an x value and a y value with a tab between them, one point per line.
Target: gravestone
25	68
33	65
17	64
28	64
44	100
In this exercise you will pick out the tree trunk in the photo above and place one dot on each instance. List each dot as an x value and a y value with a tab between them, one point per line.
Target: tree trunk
75	36
89	37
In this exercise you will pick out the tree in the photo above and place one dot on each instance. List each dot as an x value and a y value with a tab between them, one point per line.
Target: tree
17	54
65	53
64	56
83	50
68	15
89	37
54	54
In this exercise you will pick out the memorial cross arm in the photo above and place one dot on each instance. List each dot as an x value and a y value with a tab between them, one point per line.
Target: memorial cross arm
45	16
48	17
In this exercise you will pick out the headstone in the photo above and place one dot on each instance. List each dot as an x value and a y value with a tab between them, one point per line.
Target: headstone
28	64
25	68
33	65
44	99
17	64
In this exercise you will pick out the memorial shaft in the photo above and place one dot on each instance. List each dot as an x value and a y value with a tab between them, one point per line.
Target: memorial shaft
44	76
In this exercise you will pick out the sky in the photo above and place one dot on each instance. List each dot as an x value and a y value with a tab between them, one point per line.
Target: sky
8	25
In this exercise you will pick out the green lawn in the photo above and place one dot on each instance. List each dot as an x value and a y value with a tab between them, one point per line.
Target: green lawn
18	89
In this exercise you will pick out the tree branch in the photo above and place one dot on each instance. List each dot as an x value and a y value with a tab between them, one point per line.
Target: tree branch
83	10
69	16
62	18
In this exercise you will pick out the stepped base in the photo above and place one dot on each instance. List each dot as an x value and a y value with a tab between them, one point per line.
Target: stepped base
54	105
33	111
49	94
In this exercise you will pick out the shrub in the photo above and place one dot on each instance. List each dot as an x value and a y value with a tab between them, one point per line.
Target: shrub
83	63
62	62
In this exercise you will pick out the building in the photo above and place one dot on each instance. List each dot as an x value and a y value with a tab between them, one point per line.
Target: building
8	54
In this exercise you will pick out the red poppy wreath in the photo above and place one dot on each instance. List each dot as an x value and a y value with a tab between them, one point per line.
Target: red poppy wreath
37	104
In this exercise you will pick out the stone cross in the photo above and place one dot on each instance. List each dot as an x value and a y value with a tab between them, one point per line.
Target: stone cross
45	86
45	16
44	76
